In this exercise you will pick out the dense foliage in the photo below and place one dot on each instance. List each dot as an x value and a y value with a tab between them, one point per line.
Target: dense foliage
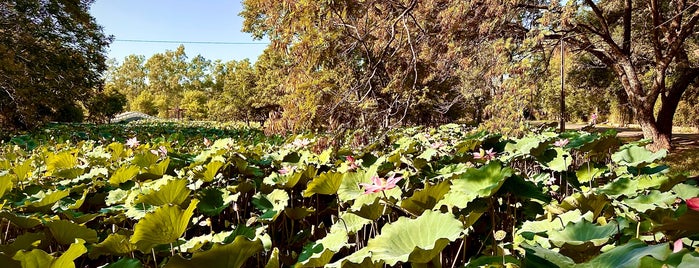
433	197
52	55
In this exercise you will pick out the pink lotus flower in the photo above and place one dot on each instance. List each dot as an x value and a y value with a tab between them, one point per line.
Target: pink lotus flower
486	155
161	151
437	145
300	143
351	163
286	170
677	246
132	142
207	142
379	184
561	143
693	203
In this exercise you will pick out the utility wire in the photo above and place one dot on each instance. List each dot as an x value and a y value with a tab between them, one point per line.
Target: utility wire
188	42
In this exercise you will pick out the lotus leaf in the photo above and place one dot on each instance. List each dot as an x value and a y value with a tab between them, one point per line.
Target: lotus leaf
629	255
654	199
537	256
427	198
636	156
231	255
123	174
125	263
165	225
349	223
115	244
43	200
25	241
582	232
5	184
416	240
65	232
173	191
214	200
474	183
327	183
211	169
38	258
271	204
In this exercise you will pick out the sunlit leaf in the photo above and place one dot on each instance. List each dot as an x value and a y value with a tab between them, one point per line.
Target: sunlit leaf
325	183
174	191
427	198
414	240
123	174
65	232
231	255
637	156
114	244
165	225
583	232
474	183
629	255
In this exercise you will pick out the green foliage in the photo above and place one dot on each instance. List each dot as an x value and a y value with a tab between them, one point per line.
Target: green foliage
52	60
251	201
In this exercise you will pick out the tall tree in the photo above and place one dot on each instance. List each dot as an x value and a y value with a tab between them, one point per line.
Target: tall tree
645	42
52	54
128	78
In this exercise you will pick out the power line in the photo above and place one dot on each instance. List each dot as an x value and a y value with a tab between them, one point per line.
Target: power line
189	42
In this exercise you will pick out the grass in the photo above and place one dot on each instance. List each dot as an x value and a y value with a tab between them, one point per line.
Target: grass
684	162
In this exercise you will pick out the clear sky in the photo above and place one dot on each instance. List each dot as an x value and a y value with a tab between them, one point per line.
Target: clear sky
176	20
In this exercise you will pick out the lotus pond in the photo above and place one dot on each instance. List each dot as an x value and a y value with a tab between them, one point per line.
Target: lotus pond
187	196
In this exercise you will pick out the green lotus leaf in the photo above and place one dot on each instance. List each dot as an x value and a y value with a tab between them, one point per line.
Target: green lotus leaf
286	181
349	188
159	169
582	232
636	156
686	191
530	145
45	199
273	261
125	263
349	223
629	255
474	183
61	161
5	184
321	252
25	241
359	259
271	204
537	256
173	191
34	259
114	244
654	199
145	159
520	187
415	240
493	261
66	260
38	258
297	213
213	201
231	255
22	221
452	169
123	174
23	171
585	202
65	232
428	154
211	169
70	202
589	171
165	225
625	185
427	198
6	261
560	162
326	183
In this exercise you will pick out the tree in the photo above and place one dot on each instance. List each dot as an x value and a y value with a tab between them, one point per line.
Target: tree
379	63
645	42
167	75
104	105
128	78
52	53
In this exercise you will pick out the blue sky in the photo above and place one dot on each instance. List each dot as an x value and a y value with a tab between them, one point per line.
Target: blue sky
176	20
